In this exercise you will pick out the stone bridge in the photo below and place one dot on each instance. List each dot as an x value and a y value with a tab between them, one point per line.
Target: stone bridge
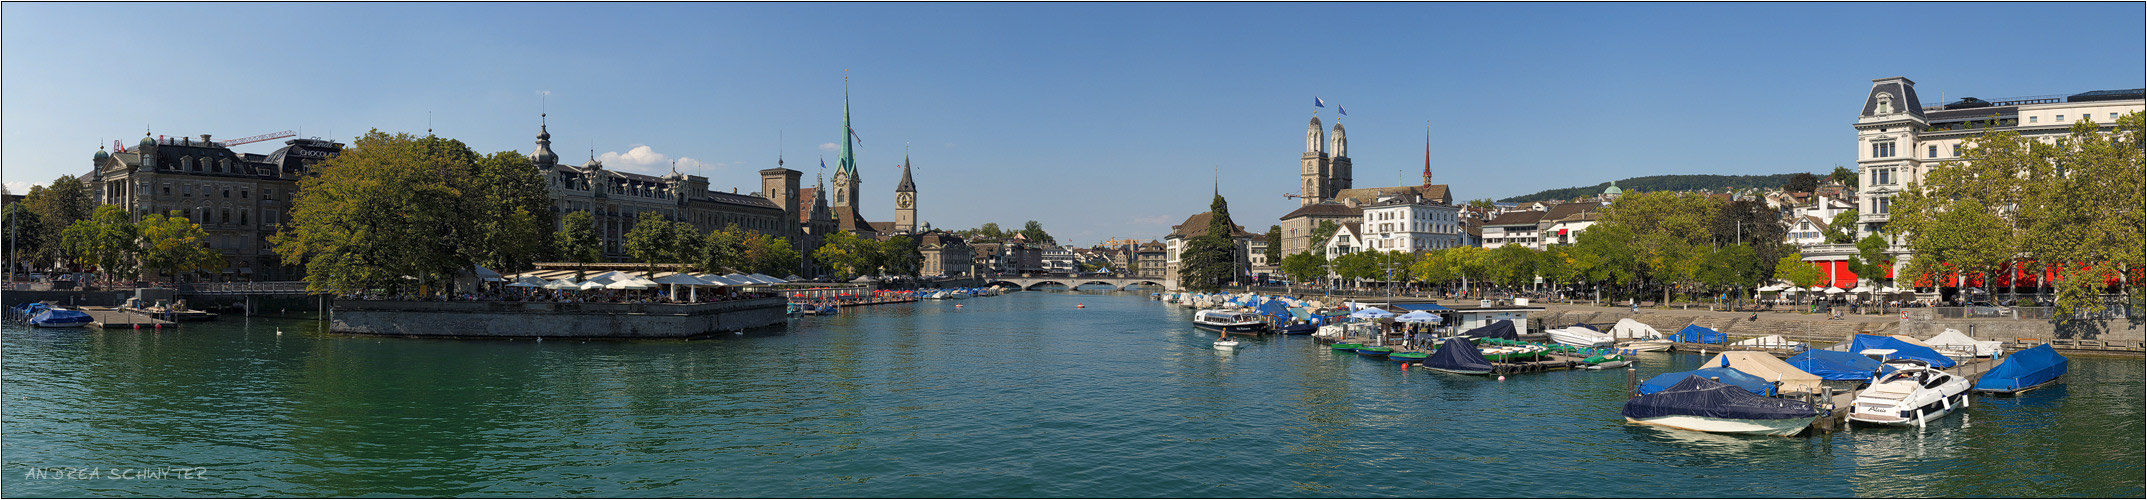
1114	283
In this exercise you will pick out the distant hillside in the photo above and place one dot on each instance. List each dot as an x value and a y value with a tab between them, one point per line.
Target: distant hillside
1663	183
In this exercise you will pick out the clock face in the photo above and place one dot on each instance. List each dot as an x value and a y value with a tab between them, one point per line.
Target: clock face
902	201
841	178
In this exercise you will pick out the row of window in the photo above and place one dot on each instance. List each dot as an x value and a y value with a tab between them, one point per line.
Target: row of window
218	166
224	215
187	190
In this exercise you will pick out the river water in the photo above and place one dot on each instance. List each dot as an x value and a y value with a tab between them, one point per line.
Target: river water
1022	395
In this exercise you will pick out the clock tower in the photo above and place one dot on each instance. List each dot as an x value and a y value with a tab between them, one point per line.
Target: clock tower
906	202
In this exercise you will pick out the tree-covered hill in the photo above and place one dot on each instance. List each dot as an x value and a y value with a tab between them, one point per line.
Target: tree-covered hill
1662	183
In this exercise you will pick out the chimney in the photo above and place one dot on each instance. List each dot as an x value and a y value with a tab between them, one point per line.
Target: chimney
205	140
186	141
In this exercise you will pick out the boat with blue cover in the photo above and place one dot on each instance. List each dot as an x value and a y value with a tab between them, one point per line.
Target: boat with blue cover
1458	355
1723	374
1699	404
55	317
1837	365
2033	368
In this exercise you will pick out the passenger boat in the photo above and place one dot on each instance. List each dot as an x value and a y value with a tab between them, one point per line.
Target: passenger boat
2035	367
1704	405
54	317
1374	351
1229	321
1581	337
1458	355
1914	394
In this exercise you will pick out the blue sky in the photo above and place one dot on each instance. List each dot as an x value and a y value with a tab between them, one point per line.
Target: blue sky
1100	120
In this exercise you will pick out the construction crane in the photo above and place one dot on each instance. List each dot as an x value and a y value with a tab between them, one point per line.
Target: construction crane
1291	195
259	138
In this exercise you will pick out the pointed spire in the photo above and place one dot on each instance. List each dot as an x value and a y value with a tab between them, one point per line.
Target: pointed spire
1427	154
848	162
905	186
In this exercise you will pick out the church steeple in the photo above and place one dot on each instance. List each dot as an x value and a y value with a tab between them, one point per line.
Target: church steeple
906	202
846	178
1427	155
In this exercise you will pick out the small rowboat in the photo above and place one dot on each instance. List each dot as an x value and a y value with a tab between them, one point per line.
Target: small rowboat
1225	345
1409	357
1346	347
1374	351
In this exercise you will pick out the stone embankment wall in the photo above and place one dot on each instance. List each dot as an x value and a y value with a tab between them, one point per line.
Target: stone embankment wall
2115	335
1817	330
545	319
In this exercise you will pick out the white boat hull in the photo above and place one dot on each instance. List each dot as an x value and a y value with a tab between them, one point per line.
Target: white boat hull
1771	427
1657	345
1581	338
1225	346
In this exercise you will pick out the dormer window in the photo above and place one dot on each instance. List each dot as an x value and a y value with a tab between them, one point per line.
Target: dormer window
1886	104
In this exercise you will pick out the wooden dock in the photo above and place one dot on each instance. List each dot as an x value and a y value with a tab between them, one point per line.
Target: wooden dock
108	318
1971	369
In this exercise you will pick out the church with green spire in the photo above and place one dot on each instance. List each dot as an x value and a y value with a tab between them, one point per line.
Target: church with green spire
848	216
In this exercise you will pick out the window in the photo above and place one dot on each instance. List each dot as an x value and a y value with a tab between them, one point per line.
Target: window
2060	119
1934	151
242	216
186	190
244	193
1956	150
268	194
167	188
1885	176
227	216
2031	119
2113	117
1882	149
227	191
1885	204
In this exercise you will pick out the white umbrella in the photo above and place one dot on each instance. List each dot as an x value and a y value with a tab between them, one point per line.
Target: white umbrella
719	280
1371	313
563	284
1771	288
1889	289
766	278
591	285
626	285
1819	288
1833	291
1860	289
524	284
488	274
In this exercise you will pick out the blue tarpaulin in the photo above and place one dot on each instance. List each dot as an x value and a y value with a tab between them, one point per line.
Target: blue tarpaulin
1837	365
1902	350
1274	308
1699	334
1501	329
1459	355
1695	396
2025	369
1729	376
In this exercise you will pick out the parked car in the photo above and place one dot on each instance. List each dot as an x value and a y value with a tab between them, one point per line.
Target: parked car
1983	308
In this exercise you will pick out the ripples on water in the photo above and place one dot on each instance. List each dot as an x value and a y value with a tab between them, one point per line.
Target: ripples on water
1013	396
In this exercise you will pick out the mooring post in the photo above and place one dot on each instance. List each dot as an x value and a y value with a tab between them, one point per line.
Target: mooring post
1632	379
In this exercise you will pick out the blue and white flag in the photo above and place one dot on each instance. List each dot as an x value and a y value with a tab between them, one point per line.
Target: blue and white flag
823	163
1341	109
1317	103
853	136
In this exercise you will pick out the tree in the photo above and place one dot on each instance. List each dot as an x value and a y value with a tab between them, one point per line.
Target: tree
511	212
1358	266
991	231
1274	244
1844	176
1034	231
1801	182
1753	223
1210	260
108	240
58	206
1607	253
1842	230
577	240
1484	203
771	255
649	241
171	244
1729	268
25	232
686	243
1468	263
1871	261
1511	265
2083	211
386	210
724	251
902	256
1303	267
851	255
1794	270
1433	267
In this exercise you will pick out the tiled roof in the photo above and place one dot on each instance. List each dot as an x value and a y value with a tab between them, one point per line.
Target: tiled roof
1198	225
1569	209
1435	192
1520	218
1324	209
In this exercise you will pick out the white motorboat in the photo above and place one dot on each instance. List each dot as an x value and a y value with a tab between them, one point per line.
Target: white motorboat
1709	406
1226	344
1229	321
1914	394
1581	337
1769	342
1635	336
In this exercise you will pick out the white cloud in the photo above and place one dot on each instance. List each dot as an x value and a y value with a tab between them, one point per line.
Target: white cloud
640	159
20	188
1153	219
829	146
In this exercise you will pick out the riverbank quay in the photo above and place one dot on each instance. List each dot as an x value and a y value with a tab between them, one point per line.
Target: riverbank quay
107	317
2117	336
590	320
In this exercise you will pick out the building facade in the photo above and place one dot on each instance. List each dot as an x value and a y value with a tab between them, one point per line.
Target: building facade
1183	233
617	199
1411	224
1323	171
239	199
945	254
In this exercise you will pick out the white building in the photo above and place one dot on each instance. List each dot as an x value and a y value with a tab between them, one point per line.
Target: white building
1348	239
1899	140
1411	223
1804	232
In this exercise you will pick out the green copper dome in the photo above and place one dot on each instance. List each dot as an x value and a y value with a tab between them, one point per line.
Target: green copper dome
101	154
148	141
1613	189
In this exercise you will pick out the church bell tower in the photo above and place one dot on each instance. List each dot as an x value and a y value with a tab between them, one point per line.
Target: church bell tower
1315	172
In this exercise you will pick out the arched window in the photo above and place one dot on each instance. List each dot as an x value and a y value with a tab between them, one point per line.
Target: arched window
224	164
187	162
227	216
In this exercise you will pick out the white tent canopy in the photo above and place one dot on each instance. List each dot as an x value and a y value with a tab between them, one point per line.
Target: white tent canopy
1832	291
488	274
1957	345
1767	342
563	284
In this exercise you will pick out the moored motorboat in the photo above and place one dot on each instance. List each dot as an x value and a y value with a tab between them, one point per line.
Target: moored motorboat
827	310
1225	344
2028	369
1704	405
1913	395
1581	337
1648	345
1957	345
1458	355
56	317
1606	361
1229	321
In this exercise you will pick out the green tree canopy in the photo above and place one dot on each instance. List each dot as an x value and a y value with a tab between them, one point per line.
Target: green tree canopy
902	256
1274	244
1303	267
724	251
1842	230
511	213
578	241
388	209
1844	176
172	245
108	240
